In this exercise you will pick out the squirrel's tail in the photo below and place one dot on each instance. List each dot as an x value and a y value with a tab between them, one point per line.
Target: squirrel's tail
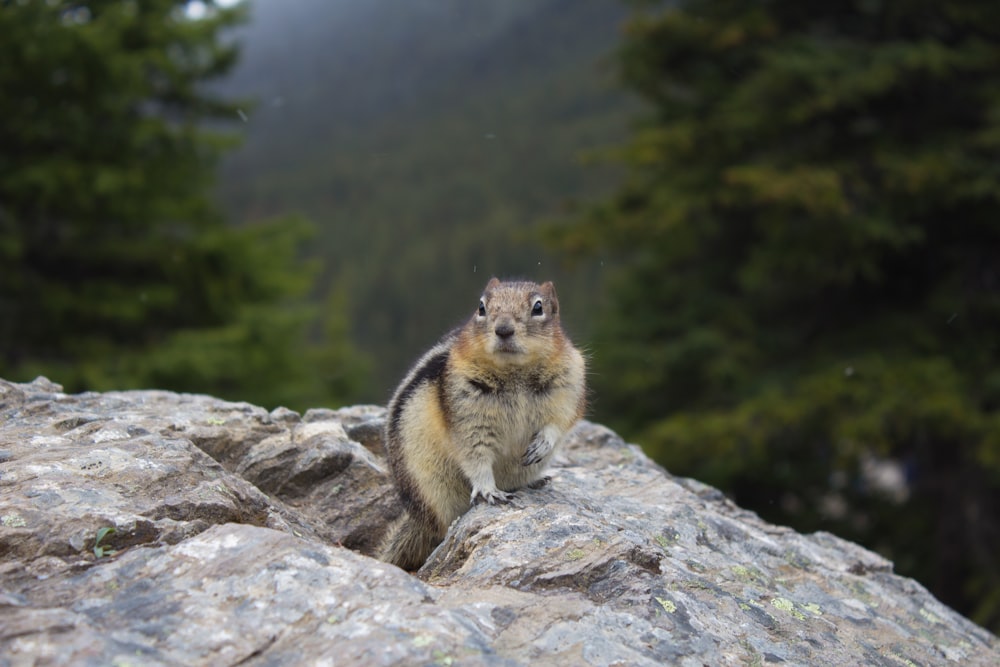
409	542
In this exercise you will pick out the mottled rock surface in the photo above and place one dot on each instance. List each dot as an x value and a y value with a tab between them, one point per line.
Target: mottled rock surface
238	538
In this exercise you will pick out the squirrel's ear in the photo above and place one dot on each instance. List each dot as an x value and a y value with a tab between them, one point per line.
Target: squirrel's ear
493	283
549	291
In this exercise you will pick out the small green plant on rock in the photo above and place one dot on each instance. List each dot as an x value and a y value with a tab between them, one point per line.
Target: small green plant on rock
103	550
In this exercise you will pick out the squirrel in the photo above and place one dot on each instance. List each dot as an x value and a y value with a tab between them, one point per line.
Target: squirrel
480	415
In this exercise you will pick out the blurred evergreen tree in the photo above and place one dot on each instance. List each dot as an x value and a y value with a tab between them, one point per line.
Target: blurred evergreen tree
117	271
806	310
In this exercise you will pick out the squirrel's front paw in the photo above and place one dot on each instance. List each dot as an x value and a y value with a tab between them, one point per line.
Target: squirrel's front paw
542	445
491	497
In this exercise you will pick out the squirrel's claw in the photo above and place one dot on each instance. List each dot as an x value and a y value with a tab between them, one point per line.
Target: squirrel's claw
531	458
540	447
491	497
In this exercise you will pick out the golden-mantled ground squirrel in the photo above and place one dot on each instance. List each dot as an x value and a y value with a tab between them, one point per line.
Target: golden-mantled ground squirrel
480	414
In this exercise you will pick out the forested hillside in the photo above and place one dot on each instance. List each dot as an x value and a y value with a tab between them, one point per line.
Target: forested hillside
117	269
426	140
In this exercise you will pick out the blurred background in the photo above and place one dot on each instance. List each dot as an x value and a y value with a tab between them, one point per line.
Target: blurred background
775	227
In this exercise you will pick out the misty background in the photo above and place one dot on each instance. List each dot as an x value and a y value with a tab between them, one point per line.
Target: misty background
427	141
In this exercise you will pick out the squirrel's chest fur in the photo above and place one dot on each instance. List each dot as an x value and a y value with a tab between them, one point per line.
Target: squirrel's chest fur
507	411
447	410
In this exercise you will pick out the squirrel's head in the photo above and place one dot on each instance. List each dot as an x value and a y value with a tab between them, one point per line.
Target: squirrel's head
517	321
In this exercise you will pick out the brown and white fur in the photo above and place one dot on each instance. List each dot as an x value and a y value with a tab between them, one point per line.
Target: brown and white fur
480	414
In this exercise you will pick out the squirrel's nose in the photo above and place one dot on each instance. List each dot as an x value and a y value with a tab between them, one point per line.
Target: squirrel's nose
504	329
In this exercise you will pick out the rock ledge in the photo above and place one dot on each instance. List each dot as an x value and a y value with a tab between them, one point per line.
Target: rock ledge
148	527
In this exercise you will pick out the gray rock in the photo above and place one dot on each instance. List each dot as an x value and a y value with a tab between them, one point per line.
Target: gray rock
238	594
231	524
661	570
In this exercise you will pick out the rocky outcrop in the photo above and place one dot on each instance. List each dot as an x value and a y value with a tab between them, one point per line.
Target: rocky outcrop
150	528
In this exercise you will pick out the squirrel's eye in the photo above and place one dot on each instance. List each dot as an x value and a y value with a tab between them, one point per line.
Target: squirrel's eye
482	308
536	310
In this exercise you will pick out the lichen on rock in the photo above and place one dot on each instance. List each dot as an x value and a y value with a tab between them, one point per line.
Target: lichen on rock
157	528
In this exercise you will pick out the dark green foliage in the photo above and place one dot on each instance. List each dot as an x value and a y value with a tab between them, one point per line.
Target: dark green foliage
117	270
809	270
